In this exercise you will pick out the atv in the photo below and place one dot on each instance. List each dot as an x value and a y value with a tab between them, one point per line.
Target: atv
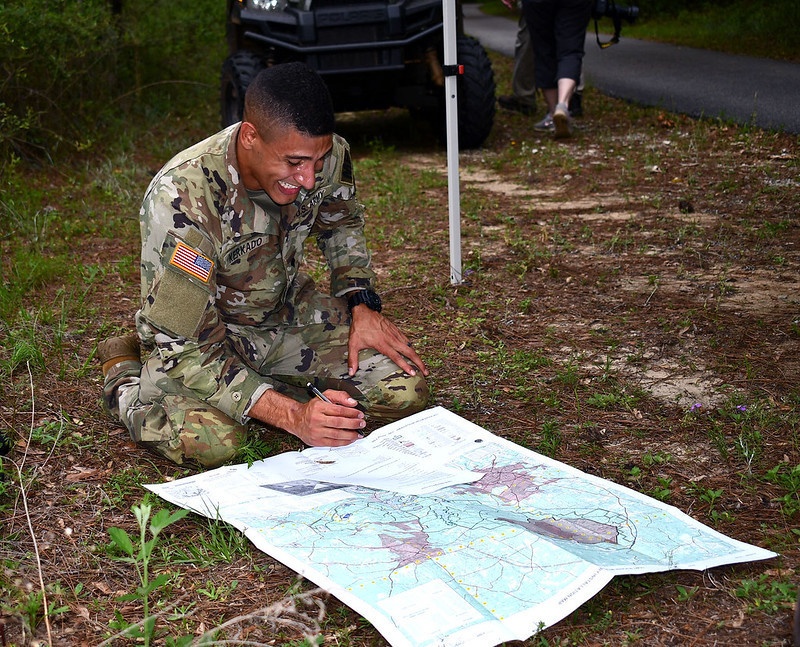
371	55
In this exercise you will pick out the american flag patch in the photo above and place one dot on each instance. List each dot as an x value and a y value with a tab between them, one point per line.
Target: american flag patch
188	260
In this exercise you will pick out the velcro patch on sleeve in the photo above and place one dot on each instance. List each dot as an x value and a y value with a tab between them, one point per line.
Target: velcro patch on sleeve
346	173
192	262
178	306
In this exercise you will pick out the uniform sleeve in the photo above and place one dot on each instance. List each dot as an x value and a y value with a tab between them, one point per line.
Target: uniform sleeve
339	226
178	314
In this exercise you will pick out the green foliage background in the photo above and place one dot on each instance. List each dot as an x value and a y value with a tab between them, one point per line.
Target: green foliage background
765	29
73	68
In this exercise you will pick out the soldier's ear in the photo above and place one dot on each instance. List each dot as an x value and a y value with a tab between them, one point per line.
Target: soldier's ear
247	134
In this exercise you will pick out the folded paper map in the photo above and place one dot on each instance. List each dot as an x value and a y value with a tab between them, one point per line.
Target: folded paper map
441	533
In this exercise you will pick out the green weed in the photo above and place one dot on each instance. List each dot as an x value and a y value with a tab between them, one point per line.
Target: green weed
258	446
710	497
663	490
220	543
121	483
750	421
30	607
568	375
516	365
686	593
218	592
138	552
657	458
767	595
787	478
551	438
719	440
610	400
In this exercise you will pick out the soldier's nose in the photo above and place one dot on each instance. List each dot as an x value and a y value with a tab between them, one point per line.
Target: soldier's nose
306	181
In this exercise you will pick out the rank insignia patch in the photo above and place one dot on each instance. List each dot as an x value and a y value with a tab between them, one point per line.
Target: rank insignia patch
188	260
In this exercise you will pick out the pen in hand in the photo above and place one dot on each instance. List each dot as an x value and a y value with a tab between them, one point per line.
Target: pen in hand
316	392
319	394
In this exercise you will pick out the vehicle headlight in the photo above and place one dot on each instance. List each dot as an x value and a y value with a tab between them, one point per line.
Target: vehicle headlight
267	5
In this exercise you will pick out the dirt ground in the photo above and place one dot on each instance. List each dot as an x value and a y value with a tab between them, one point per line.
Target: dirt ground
651	259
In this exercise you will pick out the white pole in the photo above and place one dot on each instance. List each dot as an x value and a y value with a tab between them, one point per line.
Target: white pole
451	98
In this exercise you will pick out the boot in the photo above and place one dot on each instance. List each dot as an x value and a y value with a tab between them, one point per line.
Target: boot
115	350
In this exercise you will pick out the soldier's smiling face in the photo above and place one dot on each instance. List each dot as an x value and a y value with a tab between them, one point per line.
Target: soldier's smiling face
282	163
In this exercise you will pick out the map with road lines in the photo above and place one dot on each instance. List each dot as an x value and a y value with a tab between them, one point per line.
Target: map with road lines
514	550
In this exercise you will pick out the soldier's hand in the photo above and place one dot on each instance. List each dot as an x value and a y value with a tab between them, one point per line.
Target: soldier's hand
316	423
330	424
370	329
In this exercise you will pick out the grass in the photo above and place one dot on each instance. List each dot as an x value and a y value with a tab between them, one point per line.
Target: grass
762	29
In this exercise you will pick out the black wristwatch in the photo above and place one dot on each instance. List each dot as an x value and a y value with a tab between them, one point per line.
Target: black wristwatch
368	297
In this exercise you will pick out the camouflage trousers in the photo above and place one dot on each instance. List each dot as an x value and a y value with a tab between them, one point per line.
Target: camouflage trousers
164	416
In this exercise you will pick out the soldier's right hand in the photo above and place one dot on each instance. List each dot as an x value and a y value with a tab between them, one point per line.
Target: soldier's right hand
316	423
330	424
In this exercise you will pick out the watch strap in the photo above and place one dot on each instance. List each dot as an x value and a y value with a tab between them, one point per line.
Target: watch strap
368	297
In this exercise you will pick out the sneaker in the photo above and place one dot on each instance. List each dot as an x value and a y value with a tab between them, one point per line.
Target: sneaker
562	122
514	103
114	350
545	125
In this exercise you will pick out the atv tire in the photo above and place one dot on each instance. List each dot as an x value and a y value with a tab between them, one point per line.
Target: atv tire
476	94
237	72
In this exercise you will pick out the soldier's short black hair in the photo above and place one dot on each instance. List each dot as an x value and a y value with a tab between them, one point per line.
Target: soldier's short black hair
289	94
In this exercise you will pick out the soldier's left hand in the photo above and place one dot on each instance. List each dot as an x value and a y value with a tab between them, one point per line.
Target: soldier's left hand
371	329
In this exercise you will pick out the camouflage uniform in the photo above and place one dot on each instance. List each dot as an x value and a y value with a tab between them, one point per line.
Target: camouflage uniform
226	314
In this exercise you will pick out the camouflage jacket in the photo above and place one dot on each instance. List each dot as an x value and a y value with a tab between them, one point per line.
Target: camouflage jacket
220	265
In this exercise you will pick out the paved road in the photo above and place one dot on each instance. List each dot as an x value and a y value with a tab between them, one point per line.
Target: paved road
691	81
